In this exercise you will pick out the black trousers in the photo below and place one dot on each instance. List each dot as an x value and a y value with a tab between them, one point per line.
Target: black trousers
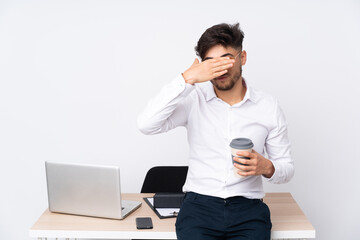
204	217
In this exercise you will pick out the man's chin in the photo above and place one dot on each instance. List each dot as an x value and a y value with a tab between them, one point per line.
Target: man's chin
222	86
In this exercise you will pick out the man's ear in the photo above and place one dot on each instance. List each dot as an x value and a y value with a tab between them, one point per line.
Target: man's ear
243	56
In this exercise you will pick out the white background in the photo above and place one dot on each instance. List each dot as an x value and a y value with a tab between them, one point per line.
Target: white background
74	75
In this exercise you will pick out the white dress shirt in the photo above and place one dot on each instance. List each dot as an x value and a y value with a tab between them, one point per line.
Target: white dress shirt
211	125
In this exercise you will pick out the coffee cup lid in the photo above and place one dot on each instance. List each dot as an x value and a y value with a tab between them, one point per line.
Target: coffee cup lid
241	143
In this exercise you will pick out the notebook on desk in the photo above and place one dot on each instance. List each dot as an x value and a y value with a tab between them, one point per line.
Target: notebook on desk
88	190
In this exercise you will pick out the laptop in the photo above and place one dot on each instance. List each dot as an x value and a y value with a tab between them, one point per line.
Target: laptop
88	190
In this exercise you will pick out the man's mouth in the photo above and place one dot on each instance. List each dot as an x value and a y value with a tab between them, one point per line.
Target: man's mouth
221	78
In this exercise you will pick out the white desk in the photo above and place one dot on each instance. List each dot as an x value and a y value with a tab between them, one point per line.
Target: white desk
288	221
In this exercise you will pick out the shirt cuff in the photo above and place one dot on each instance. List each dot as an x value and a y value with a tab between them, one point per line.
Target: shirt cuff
284	171
274	176
186	87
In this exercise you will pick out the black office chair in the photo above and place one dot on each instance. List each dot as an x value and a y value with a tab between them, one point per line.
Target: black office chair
165	179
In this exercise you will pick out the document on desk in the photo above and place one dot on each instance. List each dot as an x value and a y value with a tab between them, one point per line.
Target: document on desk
162	212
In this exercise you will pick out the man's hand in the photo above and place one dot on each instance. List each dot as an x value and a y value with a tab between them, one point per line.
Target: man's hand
256	165
207	70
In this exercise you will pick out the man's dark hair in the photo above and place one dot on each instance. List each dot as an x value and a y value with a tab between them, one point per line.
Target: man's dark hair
224	34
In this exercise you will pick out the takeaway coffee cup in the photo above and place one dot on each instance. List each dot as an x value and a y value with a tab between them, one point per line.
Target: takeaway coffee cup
240	144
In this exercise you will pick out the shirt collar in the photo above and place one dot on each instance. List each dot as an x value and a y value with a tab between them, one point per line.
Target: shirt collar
250	94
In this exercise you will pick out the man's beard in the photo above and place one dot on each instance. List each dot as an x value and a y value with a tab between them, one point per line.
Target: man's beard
231	84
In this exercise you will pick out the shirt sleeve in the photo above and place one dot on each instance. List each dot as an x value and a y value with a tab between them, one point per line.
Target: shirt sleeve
166	110
278	148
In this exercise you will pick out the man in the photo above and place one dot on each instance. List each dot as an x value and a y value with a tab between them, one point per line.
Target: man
216	104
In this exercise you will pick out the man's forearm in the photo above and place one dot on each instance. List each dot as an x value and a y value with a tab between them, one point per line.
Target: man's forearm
154	119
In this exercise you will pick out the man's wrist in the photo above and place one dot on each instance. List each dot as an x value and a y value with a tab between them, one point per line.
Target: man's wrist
270	169
187	78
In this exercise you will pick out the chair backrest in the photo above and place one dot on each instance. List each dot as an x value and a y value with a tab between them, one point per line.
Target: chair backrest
165	179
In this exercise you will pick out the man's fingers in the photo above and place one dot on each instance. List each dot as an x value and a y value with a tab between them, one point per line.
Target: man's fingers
208	69
246	174
214	60
244	168
222	62
218	74
245	154
222	67
242	160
